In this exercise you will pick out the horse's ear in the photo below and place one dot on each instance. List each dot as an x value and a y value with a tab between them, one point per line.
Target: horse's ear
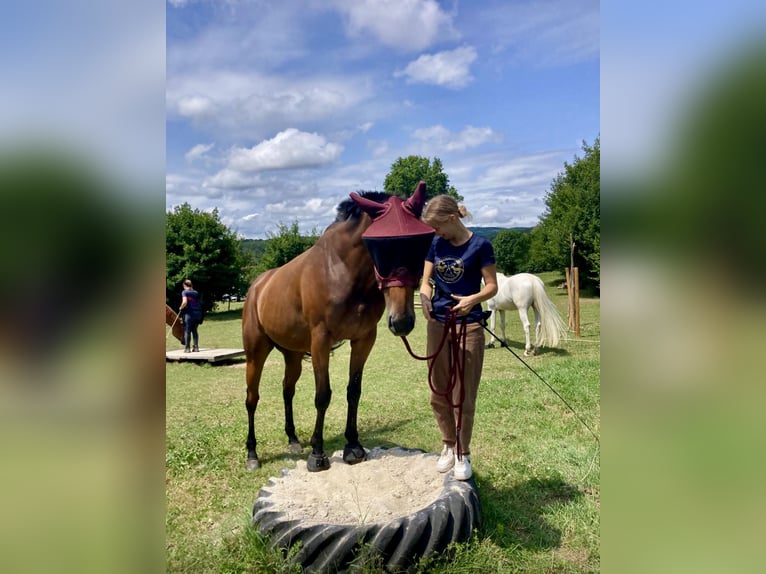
371	208
415	203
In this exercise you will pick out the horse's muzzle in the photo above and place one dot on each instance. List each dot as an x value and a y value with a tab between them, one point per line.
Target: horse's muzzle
401	325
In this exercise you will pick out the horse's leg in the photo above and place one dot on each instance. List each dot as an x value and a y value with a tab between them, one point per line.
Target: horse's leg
256	357
354	452
320	359
538	325
292	374
492	337
502	326
525	322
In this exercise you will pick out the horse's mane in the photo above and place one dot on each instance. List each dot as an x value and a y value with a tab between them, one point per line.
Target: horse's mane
349	210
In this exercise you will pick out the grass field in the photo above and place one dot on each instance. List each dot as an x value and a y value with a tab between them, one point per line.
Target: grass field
535	464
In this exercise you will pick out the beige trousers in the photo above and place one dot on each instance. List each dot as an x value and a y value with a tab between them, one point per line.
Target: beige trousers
447	416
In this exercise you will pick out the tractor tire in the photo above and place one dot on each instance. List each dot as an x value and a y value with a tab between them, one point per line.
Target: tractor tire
400	543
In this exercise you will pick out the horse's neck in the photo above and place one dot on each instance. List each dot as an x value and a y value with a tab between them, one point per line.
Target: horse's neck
344	241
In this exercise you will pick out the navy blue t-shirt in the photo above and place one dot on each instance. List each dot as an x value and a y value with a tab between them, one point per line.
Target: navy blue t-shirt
457	271
193	306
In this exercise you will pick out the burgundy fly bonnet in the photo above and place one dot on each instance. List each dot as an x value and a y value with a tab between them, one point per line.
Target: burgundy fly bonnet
397	240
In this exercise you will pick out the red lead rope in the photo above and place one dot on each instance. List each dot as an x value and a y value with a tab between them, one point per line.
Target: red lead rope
456	367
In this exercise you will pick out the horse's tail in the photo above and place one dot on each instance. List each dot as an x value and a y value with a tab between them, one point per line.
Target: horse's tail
552	326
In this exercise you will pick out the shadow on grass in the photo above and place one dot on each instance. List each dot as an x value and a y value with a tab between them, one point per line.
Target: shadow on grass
518	348
516	516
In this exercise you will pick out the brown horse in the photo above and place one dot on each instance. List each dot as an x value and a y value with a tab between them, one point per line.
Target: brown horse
334	292
172	318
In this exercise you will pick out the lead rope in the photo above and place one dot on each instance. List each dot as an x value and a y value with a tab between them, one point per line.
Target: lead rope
456	367
178	315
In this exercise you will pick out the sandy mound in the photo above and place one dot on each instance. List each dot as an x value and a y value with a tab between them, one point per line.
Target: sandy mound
391	483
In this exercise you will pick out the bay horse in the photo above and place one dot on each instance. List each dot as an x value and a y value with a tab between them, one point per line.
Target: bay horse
522	291
172	319
369	259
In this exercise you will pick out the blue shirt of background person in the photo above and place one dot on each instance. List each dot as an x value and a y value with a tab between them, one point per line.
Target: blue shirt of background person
193	307
457	271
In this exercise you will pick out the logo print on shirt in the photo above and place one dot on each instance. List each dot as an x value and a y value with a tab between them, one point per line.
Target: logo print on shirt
450	269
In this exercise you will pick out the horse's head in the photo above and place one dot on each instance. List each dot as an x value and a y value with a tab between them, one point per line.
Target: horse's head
398	243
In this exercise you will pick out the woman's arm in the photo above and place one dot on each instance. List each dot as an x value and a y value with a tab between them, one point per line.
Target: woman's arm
467	302
426	291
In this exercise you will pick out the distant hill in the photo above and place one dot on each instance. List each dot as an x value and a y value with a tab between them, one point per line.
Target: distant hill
490	232
254	246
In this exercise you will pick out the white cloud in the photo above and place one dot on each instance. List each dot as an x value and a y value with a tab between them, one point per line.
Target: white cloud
469	137
378	148
193	106
551	33
248	104
450	68
198	151
301	209
408	25
289	149
487	213
231	179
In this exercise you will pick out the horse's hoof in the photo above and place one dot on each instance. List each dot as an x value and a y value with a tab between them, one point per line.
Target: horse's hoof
253	464
295	447
490	346
354	454
317	462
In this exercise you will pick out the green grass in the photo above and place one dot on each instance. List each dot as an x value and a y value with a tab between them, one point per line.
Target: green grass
536	466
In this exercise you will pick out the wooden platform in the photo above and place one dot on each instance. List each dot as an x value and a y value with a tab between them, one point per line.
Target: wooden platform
204	355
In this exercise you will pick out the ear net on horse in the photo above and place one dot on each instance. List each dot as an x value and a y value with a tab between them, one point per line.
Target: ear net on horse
397	240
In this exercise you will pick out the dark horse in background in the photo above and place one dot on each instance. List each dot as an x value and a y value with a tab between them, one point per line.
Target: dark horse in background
369	259
176	323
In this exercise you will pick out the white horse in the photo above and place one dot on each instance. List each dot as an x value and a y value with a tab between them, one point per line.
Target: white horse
522	291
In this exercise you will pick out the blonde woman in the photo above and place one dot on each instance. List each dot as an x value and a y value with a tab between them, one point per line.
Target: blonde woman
455	267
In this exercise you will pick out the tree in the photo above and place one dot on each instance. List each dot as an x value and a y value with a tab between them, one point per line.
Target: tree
201	248
512	251
283	246
406	173
573	214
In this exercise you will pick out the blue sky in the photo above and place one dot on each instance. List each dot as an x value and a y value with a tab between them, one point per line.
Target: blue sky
277	110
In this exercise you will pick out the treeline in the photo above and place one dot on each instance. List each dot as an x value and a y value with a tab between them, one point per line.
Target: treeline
257	247
200	247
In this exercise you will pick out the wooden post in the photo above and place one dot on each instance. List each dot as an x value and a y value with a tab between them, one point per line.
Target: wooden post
570	300
574	323
577	301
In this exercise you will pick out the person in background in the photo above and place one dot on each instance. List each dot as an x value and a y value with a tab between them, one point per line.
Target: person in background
455	266
191	311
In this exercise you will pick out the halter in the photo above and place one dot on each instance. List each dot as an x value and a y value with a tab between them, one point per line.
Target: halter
456	367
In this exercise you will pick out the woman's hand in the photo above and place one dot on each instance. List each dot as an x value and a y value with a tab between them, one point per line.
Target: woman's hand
425	302
464	304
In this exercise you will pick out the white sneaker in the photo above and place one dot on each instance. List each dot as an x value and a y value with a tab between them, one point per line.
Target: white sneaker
446	460
463	468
